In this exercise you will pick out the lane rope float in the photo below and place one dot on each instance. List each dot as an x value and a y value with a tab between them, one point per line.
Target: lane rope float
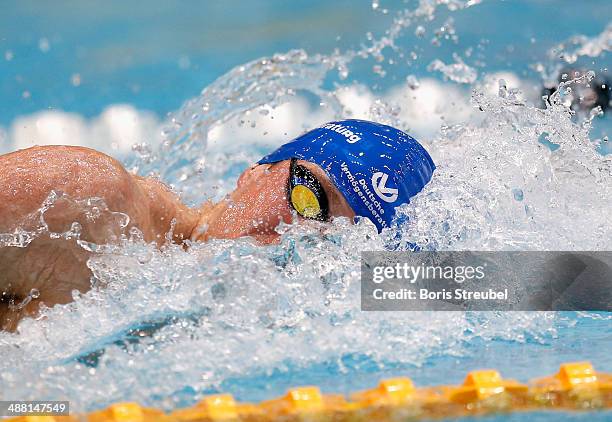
576	387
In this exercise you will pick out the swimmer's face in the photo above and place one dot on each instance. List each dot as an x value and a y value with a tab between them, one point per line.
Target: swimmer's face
260	202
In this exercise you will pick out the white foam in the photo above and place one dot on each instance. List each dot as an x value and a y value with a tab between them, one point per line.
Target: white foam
265	126
422	112
457	72
432	105
114	131
580	45
4	140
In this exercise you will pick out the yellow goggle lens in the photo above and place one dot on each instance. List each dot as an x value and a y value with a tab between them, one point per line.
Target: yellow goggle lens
305	202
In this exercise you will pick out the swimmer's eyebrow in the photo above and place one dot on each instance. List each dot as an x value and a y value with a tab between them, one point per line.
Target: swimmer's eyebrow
333	193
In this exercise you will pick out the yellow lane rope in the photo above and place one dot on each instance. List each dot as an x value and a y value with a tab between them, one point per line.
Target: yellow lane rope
577	386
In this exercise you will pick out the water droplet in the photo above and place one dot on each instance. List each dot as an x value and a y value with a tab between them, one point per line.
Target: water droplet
517	194
413	82
44	45
378	69
502	88
184	62
75	79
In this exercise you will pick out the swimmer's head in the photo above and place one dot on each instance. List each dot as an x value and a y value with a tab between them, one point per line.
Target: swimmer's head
347	168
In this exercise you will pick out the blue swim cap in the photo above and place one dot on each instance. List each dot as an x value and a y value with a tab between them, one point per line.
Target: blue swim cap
376	167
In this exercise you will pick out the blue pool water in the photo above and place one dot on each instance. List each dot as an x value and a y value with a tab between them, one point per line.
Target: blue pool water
106	76
131	52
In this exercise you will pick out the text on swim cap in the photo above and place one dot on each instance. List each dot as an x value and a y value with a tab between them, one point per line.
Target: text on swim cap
360	187
351	138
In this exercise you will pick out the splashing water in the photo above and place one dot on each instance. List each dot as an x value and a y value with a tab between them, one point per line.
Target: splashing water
456	72
170	325
570	50
510	191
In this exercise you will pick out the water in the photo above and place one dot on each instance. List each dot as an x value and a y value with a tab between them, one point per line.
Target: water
164	327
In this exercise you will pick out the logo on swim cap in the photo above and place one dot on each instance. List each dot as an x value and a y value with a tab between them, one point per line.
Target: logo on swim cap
379	180
351	138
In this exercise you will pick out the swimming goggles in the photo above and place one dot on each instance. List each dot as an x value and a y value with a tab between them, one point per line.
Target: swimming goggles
306	195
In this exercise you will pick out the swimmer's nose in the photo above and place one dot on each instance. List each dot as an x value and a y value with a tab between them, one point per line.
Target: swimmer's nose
257	206
253	216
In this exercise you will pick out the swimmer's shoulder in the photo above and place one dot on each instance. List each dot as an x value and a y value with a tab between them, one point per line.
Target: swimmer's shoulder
29	175
58	155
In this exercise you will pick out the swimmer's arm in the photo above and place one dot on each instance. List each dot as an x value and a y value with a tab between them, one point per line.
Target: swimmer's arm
55	266
164	208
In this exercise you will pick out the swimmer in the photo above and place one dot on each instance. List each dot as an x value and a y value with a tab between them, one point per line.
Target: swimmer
350	168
